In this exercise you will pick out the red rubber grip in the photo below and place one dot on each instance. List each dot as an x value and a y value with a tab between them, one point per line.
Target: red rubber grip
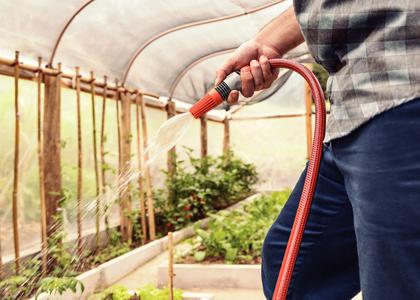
205	104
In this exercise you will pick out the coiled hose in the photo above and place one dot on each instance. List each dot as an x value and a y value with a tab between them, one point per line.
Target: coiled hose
220	93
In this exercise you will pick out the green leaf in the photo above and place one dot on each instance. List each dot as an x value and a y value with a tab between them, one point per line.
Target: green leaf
199	256
231	254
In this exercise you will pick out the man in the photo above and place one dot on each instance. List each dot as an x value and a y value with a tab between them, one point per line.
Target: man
364	228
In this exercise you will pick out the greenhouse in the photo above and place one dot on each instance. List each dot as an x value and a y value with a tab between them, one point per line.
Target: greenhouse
84	89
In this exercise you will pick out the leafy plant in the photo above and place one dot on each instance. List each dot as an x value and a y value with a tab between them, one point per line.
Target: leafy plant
115	248
57	251
148	292
53	285
12	288
213	183
22	285
237	236
111	252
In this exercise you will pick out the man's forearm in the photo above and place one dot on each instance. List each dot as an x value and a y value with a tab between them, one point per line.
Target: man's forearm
283	33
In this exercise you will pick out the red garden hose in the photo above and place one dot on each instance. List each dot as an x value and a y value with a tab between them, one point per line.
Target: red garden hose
220	93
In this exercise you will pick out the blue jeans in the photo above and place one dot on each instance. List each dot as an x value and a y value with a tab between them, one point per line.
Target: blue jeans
363	231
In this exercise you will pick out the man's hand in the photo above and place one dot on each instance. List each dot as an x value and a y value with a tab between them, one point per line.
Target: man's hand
256	73
276	38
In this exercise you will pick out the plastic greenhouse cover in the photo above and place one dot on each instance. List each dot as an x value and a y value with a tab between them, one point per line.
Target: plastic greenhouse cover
160	38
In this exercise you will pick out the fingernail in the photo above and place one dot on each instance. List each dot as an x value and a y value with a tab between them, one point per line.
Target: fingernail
245	69
263	58
254	63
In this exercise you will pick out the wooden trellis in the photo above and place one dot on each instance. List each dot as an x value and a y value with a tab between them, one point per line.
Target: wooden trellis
49	146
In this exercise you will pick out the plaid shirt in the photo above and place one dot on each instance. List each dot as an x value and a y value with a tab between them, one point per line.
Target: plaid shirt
371	48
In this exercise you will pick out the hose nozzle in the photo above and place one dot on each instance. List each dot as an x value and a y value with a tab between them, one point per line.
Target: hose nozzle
217	95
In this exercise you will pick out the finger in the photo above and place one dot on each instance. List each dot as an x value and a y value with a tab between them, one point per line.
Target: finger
266	71
233	97
275	74
257	74
226	68
247	82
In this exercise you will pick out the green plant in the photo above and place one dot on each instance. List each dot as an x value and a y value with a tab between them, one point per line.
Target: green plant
211	184
115	248
53	285
12	288
117	292
237	236
61	259
148	292
22	285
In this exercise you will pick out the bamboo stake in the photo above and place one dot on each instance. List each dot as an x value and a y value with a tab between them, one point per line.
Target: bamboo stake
308	117
16	167
117	100
95	160
203	136
171	266
171	163
103	163
79	165
44	246
150	208
226	135
118	129
140	166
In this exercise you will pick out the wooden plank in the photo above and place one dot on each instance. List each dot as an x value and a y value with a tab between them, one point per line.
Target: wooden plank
226	135
141	170
148	181
52	150
15	192
79	195
126	226
203	136
171	159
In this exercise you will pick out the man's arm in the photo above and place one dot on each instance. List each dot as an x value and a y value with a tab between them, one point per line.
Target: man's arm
273	41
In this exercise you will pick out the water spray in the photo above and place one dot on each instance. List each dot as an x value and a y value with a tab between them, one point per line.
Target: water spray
173	129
